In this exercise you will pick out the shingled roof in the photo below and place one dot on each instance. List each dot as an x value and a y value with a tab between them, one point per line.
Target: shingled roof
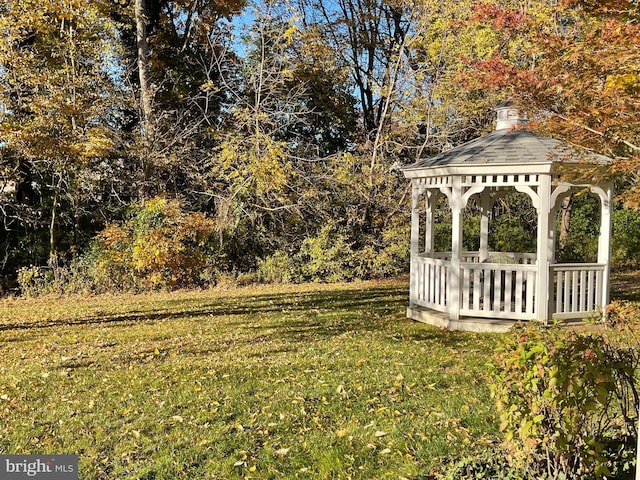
508	146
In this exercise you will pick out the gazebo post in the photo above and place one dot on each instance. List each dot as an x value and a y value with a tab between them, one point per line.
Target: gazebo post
604	239
542	255
415	240
429	230
456	204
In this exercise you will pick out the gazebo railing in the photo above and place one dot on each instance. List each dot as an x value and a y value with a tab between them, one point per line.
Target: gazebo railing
493	257
498	290
507	290
577	289
431	282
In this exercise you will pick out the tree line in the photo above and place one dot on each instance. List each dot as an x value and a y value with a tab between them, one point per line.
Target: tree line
267	139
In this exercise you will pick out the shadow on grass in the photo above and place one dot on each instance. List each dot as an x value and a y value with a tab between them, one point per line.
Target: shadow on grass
379	301
625	285
290	317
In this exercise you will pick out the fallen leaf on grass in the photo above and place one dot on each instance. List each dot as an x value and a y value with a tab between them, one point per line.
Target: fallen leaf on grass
282	451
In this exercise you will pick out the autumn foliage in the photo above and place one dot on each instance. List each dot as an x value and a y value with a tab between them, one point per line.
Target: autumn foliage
160	246
567	401
575	67
288	132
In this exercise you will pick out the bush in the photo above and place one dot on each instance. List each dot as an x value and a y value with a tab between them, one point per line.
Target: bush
327	256
34	281
490	466
623	318
330	256
160	246
565	400
276	268
393	256
625	240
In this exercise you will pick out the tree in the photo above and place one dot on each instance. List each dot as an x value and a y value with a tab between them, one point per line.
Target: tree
60	99
365	35
175	51
253	164
145	94
574	65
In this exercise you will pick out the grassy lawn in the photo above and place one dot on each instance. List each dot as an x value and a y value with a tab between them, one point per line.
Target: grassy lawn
311	381
316	381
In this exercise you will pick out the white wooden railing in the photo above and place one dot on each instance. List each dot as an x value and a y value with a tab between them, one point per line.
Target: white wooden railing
498	290
431	278
488	289
577	289
492	257
506	287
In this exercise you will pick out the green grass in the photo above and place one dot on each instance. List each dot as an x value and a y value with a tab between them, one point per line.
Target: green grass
315	381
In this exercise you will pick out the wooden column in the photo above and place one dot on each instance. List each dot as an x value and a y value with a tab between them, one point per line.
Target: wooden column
486	204
544	242
457	206
432	198
415	242
604	239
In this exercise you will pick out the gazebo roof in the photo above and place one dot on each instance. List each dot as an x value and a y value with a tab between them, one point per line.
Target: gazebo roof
508	147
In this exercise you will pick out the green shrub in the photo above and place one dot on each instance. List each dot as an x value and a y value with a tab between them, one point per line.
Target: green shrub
73	278
34	281
276	268
327	257
393	257
564	399
625	241
490	466
333	255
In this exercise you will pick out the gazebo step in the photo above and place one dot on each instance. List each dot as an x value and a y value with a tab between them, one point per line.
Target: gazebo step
469	324
477	324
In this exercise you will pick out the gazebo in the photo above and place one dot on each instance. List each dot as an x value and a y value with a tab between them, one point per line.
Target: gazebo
489	291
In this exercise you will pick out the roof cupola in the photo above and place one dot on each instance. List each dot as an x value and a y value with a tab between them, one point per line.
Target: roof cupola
508	116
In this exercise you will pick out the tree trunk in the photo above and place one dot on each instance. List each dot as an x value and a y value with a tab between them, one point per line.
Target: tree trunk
53	254
565	221
638	452
145	92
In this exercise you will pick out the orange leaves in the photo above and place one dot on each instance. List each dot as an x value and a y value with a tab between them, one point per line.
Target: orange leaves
503	19
577	59
497	74
112	236
161	246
